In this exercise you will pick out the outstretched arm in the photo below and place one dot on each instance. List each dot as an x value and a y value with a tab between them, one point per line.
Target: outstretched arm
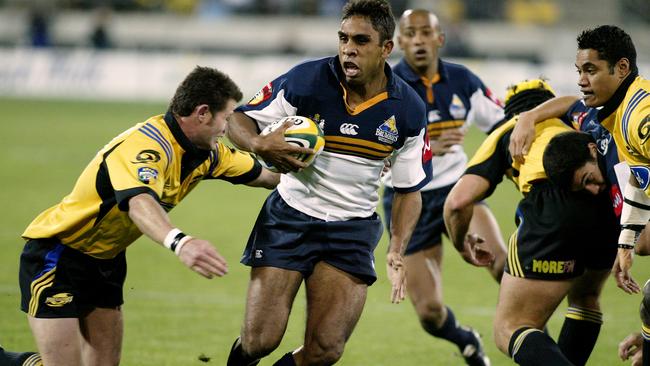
242	132
406	212
523	134
457	213
197	254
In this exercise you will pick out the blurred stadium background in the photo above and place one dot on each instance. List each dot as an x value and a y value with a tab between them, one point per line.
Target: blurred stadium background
74	73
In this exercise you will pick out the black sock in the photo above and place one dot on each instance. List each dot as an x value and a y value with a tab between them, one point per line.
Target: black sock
19	359
645	332
286	360
237	356
579	334
451	331
532	347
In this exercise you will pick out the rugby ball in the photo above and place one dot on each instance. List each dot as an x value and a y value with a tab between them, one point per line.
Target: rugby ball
304	133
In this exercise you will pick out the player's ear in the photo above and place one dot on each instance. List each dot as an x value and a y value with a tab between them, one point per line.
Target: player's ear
202	112
593	150
441	39
622	67
387	48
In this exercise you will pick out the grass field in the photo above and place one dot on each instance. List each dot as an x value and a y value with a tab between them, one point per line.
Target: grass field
173	315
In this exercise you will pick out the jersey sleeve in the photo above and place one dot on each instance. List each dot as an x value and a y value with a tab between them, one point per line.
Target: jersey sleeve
271	103
411	164
635	126
575	116
138	165
233	166
486	110
492	160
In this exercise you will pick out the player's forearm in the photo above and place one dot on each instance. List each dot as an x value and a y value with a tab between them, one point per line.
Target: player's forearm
242	132
459	206
552	108
406	212
147	214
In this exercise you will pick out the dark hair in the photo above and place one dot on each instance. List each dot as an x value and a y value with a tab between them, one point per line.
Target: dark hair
377	11
204	85
611	43
564	154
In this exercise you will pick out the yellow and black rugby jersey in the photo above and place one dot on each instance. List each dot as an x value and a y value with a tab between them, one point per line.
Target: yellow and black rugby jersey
627	116
492	160
152	157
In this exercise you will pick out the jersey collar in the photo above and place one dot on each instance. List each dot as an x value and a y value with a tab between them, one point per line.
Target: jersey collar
412	76
391	88
616	99
180	137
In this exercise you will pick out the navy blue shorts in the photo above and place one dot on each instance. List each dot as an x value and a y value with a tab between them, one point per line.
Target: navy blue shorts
57	281
431	225
284	237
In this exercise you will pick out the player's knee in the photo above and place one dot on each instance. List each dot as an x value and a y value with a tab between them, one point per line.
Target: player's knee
323	351
502	335
257	345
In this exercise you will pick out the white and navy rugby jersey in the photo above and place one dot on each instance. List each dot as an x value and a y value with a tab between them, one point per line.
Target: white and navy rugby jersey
342	183
455	98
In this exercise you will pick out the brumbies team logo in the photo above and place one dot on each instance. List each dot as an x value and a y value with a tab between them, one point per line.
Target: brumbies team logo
58	300
387	132
642	175
147	175
457	108
262	95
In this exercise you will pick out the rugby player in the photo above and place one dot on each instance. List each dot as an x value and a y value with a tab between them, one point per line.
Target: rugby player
563	244
320	226
455	98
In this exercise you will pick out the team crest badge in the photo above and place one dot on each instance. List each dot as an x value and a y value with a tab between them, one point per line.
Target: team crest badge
457	108
262	95
642	175
147	175
387	132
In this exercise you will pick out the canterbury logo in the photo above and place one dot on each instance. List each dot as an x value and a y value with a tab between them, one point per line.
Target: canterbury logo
58	300
349	129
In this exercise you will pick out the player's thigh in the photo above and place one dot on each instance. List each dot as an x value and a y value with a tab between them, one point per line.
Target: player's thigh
526	302
424	278
58	340
586	289
335	300
271	292
102	330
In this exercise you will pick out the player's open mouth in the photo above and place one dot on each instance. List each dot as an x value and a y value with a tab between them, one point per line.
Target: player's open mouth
587	94
351	69
420	54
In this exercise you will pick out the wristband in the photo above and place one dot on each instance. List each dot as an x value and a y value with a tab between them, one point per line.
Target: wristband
629	236
181	243
169	238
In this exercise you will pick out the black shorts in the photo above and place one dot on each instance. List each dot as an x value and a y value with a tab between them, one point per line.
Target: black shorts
560	234
57	281
284	237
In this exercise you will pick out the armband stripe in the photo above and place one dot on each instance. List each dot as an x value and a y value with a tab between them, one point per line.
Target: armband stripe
636	204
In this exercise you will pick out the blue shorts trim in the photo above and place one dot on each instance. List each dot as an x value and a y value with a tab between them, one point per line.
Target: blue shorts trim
284	237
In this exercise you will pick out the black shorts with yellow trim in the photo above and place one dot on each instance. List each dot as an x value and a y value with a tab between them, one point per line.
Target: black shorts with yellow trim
57	281
561	233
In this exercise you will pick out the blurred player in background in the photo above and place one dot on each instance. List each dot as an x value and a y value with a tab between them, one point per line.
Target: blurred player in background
563	245
455	98
320	226
73	266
